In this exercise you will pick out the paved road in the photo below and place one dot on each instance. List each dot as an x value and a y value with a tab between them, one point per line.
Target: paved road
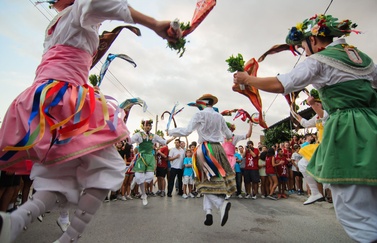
181	220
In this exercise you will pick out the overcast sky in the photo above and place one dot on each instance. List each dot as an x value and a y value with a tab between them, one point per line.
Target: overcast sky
249	27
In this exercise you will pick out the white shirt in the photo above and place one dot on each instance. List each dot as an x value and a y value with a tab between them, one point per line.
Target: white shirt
311	71
210	125
178	162
137	138
296	157
237	138
312	121
78	27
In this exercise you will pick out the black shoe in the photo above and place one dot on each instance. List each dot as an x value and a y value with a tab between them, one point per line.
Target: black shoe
169	195
209	220
224	211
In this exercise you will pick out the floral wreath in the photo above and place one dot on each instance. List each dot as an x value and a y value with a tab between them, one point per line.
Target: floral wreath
320	25
143	122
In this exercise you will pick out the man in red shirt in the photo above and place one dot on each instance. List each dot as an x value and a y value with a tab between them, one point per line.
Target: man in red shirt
251	171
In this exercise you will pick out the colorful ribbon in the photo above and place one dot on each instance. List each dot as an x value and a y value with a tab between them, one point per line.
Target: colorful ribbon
49	95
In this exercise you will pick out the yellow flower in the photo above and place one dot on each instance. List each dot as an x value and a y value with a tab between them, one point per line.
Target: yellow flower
315	29
299	26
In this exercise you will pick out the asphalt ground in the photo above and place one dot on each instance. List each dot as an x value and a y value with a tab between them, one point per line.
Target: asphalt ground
181	220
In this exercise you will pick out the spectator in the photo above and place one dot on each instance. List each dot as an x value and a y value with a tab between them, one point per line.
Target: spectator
188	175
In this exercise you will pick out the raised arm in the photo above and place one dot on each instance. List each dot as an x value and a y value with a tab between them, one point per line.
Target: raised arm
160	27
269	84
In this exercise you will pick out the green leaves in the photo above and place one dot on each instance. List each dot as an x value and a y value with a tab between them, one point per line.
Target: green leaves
314	93
277	134
235	63
180	44
93	79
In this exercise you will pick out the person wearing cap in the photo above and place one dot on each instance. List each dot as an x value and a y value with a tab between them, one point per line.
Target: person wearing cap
345	78
145	164
214	177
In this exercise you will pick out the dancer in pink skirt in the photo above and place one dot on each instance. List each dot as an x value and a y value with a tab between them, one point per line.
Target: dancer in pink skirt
62	126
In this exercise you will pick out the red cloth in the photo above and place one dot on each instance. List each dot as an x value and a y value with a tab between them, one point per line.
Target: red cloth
252	162
269	168
161	161
282	170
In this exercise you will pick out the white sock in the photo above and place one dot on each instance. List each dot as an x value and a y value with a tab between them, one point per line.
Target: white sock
38	203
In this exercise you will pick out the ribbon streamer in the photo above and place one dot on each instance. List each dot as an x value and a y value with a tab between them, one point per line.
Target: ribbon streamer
201	106
251	67
171	116
109	59
203	8
107	38
129	103
243	114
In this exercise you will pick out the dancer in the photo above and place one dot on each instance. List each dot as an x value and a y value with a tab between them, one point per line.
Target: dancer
229	145
214	177
345	78
59	124
307	148
146	162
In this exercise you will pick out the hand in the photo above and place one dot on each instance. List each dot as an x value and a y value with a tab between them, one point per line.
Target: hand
310	100
161	29
240	78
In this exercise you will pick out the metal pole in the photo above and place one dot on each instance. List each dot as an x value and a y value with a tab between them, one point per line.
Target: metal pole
155	128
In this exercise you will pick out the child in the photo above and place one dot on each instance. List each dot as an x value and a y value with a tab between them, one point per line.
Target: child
282	172
49	121
188	175
297	175
271	173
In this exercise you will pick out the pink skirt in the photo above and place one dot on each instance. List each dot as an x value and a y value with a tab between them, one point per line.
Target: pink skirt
32	120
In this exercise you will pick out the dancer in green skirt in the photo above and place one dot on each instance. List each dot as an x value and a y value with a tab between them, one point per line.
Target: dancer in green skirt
346	79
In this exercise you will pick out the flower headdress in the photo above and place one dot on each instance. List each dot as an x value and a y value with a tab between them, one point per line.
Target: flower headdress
319	25
145	122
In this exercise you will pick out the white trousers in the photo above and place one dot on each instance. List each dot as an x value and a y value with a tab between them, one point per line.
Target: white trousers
356	209
143	177
102	169
312	184
210	200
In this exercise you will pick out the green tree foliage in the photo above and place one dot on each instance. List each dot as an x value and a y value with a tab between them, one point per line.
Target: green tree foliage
277	134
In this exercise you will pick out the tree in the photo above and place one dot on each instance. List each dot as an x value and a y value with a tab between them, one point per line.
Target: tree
277	134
